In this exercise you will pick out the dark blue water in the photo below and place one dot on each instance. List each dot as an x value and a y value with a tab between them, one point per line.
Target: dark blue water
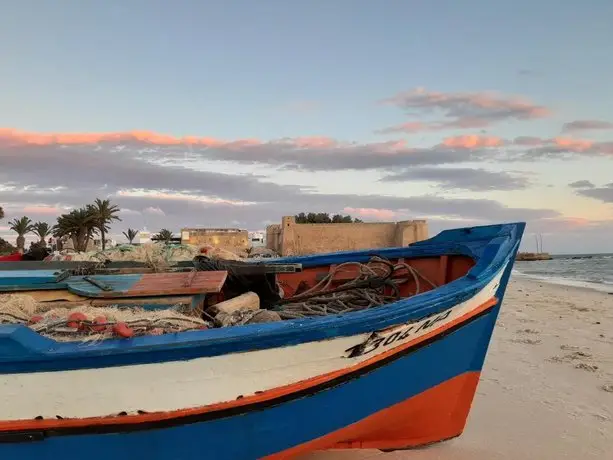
594	271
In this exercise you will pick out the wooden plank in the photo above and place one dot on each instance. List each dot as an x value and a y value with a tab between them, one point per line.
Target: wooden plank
146	303
442	270
54	295
150	284
16	280
71	265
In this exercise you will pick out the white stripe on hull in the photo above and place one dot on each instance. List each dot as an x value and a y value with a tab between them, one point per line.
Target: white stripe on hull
192	383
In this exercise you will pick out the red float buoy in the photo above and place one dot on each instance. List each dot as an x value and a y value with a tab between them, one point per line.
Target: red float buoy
36	319
75	319
99	324
122	330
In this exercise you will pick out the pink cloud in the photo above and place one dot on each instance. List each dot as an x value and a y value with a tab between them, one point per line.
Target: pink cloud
409	127
473	141
48	210
566	144
418	126
574	145
371	213
471	109
15	136
314	142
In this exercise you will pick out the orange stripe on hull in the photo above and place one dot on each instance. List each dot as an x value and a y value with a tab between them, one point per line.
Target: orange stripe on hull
437	414
19	425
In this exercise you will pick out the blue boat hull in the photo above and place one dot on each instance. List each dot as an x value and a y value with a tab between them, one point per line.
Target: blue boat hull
262	432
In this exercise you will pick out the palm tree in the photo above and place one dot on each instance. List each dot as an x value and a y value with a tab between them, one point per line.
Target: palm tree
42	230
79	225
105	213
165	235
22	227
130	234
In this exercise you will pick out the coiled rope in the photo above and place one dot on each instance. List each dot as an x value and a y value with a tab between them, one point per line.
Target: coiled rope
366	290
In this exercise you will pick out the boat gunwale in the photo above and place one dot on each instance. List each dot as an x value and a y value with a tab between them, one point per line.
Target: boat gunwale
492	247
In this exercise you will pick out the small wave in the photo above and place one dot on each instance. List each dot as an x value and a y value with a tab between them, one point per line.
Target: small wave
604	286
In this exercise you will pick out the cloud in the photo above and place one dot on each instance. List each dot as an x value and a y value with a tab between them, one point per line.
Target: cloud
534	148
604	193
418	126
11	137
89	171
154	210
129	212
180	196
74	175
163	180
585	125
581	184
462	178
414	206
462	110
131	157
43	209
472	141
372	213
135	161
528	141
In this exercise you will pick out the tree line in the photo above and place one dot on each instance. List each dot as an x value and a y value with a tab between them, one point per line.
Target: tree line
324	218
79	225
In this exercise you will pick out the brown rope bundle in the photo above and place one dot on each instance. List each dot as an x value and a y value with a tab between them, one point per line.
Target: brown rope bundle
366	290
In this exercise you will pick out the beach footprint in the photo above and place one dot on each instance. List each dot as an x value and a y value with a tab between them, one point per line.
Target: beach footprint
527	341
573	357
570	357
527	331
586	367
569	347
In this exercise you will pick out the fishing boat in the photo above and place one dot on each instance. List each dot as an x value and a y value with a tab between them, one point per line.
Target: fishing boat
395	376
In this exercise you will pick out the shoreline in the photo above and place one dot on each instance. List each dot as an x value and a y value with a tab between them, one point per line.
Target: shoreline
567	282
546	389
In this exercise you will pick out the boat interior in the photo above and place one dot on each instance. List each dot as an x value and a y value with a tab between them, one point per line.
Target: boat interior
220	293
439	270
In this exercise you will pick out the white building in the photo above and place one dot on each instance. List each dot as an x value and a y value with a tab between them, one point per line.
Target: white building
143	236
257	239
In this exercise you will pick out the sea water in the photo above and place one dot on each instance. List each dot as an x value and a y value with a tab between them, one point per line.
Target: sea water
593	271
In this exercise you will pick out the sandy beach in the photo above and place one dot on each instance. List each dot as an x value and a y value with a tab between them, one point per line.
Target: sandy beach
546	391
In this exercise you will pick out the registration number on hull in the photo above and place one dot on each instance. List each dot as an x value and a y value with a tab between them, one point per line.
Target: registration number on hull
385	339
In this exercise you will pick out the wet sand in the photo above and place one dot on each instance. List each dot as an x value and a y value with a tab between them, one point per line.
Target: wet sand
546	391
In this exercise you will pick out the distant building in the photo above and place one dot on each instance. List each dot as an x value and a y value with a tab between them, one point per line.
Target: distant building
231	239
143	237
257	239
109	243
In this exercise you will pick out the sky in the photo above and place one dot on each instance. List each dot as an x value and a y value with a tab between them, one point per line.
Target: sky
236	112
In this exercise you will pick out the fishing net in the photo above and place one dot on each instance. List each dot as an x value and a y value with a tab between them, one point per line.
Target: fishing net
87	323
158	256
